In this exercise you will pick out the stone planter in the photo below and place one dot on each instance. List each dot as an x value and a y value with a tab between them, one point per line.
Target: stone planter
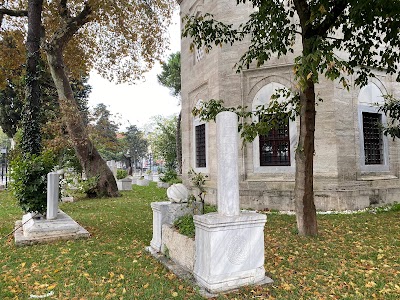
178	247
156	178
164	185
148	177
142	182
124	184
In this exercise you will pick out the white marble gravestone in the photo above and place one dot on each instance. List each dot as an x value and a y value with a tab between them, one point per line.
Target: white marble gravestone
52	195
230	243
57	224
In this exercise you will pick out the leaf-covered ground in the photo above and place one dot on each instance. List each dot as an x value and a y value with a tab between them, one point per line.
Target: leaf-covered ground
354	257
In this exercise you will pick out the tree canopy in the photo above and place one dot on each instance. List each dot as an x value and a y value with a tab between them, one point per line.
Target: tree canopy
170	76
120	39
163	140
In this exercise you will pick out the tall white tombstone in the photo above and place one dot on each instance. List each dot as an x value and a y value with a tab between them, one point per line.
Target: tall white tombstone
230	243
228	174
52	195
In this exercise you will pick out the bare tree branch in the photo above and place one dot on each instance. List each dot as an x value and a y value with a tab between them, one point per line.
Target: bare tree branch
13	13
62	36
303	11
64	11
331	17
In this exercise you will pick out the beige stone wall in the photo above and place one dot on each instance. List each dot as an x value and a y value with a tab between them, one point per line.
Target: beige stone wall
340	182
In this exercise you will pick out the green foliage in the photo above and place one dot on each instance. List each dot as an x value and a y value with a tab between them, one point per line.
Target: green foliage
135	143
121	174
170	76
74	185
391	108
210	208
185	225
29	175
198	180
163	140
4	140
170	176
258	122
384	208
103	131
11	104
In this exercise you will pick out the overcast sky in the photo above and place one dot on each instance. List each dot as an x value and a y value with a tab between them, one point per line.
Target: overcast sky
136	104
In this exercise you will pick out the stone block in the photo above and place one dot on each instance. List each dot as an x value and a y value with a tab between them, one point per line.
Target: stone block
165	213
178	247
33	231
229	250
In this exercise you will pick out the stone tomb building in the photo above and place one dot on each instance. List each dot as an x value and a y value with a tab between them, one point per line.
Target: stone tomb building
355	165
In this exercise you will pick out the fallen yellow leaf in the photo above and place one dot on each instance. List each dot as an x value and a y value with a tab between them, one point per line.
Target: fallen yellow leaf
370	284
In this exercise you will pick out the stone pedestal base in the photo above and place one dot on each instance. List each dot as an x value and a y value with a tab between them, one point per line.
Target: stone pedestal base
165	213
229	251
34	231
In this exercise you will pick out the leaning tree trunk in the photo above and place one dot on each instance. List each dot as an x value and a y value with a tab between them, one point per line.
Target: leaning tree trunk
179	143
31	136
88	156
304	186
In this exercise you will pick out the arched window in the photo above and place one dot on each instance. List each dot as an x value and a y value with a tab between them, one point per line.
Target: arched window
274	152
373	144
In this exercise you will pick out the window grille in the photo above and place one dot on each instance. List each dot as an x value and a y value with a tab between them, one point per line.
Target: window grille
200	137
275	147
199	54
373	142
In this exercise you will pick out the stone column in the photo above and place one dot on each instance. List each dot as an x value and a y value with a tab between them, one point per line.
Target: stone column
230	243
52	195
228	174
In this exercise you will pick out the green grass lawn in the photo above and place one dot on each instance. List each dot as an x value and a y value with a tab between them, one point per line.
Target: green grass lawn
354	257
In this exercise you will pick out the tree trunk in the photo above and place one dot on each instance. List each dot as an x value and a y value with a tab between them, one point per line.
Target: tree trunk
304	186
31	135
88	156
179	143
